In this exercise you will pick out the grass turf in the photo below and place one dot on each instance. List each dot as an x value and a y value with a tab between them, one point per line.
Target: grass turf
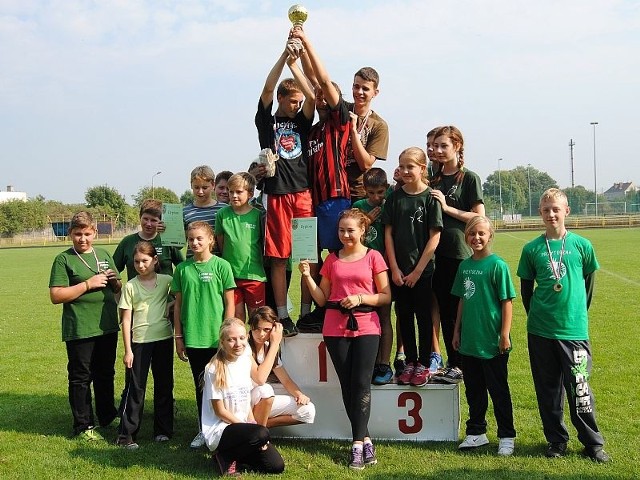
35	421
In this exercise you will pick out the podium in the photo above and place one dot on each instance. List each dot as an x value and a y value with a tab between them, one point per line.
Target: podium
398	412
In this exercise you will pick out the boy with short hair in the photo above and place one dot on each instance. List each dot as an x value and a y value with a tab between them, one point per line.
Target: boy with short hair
377	187
562	265
201	208
288	196
239	238
150	219
369	136
221	189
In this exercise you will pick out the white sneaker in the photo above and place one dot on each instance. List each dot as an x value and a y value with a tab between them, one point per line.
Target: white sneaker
473	441
506	446
198	441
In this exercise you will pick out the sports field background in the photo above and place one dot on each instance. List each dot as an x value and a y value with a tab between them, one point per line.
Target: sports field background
35	421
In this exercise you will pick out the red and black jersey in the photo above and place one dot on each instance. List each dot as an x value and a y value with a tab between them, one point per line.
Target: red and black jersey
327	155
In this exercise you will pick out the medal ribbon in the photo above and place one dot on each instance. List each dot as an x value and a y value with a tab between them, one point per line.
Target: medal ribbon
97	270
556	275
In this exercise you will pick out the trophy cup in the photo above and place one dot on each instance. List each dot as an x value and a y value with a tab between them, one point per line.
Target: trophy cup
297	15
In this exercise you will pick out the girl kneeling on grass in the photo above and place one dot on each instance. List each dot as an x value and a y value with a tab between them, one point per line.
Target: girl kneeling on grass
228	425
481	336
148	342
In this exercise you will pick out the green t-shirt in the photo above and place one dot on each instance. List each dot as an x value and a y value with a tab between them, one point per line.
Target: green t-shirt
94	312
167	256
243	243
558	315
411	218
462	196
482	285
150	322
202	285
374	237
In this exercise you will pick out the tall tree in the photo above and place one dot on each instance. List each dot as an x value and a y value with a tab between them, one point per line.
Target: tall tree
163	194
108	199
514	185
187	197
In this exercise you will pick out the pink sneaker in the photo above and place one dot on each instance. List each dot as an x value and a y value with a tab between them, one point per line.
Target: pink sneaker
420	375
407	374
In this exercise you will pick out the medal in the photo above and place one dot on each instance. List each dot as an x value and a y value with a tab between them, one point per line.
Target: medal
557	287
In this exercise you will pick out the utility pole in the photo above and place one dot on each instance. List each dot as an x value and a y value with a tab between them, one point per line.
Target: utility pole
571	145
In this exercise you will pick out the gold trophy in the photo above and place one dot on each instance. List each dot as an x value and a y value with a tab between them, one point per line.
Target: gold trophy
298	15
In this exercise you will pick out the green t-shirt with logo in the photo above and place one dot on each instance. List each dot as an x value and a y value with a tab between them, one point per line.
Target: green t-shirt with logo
374	238
243	243
94	312
558	315
202	285
482	286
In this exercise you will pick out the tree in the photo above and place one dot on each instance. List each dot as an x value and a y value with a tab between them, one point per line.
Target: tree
578	198
187	197
163	194
17	216
107	199
514	185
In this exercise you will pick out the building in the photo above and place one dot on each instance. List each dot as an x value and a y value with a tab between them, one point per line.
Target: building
10	194
619	191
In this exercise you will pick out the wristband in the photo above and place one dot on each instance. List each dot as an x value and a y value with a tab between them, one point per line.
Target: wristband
86	282
177	336
359	299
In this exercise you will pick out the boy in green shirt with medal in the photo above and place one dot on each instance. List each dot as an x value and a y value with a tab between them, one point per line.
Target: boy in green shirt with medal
562	265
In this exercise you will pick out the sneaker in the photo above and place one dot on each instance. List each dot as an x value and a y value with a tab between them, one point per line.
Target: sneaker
435	362
399	364
312	322
198	441
225	467
506	446
289	328
473	441
357	460
376	372
90	435
384	376
597	454
127	444
369	452
451	375
407	373
420	375
161	438
556	450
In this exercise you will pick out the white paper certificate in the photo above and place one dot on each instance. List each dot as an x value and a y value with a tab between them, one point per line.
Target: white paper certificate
304	234
173	236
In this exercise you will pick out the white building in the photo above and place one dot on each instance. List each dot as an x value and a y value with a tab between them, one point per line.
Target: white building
10	194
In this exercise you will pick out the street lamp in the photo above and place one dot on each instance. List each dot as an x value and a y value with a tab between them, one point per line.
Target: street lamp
152	189
595	171
500	186
529	180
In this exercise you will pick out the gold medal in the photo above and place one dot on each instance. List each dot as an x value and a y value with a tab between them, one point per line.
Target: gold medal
557	287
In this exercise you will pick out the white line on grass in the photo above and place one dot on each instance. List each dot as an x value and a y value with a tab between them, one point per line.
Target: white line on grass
620	277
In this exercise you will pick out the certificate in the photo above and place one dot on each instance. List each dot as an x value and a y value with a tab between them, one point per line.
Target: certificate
173	235
304	235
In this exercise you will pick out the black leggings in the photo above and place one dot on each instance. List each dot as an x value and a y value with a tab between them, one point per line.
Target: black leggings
198	359
443	278
415	302
245	443
354	358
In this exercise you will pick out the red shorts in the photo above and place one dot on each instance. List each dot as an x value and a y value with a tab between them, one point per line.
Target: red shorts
281	210
249	292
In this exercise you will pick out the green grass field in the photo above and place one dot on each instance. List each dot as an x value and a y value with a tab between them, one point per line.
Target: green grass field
35	421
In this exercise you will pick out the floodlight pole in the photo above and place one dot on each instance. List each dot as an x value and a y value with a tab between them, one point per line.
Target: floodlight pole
500	186
595	170
529	180
152	189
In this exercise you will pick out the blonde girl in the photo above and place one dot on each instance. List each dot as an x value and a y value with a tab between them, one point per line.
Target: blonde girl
148	343
84	280
353	281
481	336
228	425
203	286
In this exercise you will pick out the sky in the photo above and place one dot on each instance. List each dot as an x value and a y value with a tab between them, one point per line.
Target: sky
110	92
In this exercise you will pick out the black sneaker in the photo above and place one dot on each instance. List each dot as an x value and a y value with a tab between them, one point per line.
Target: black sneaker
289	328
369	453
399	364
311	322
556	450
597	454
357	458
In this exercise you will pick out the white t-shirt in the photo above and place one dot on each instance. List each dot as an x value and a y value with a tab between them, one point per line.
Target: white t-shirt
236	397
